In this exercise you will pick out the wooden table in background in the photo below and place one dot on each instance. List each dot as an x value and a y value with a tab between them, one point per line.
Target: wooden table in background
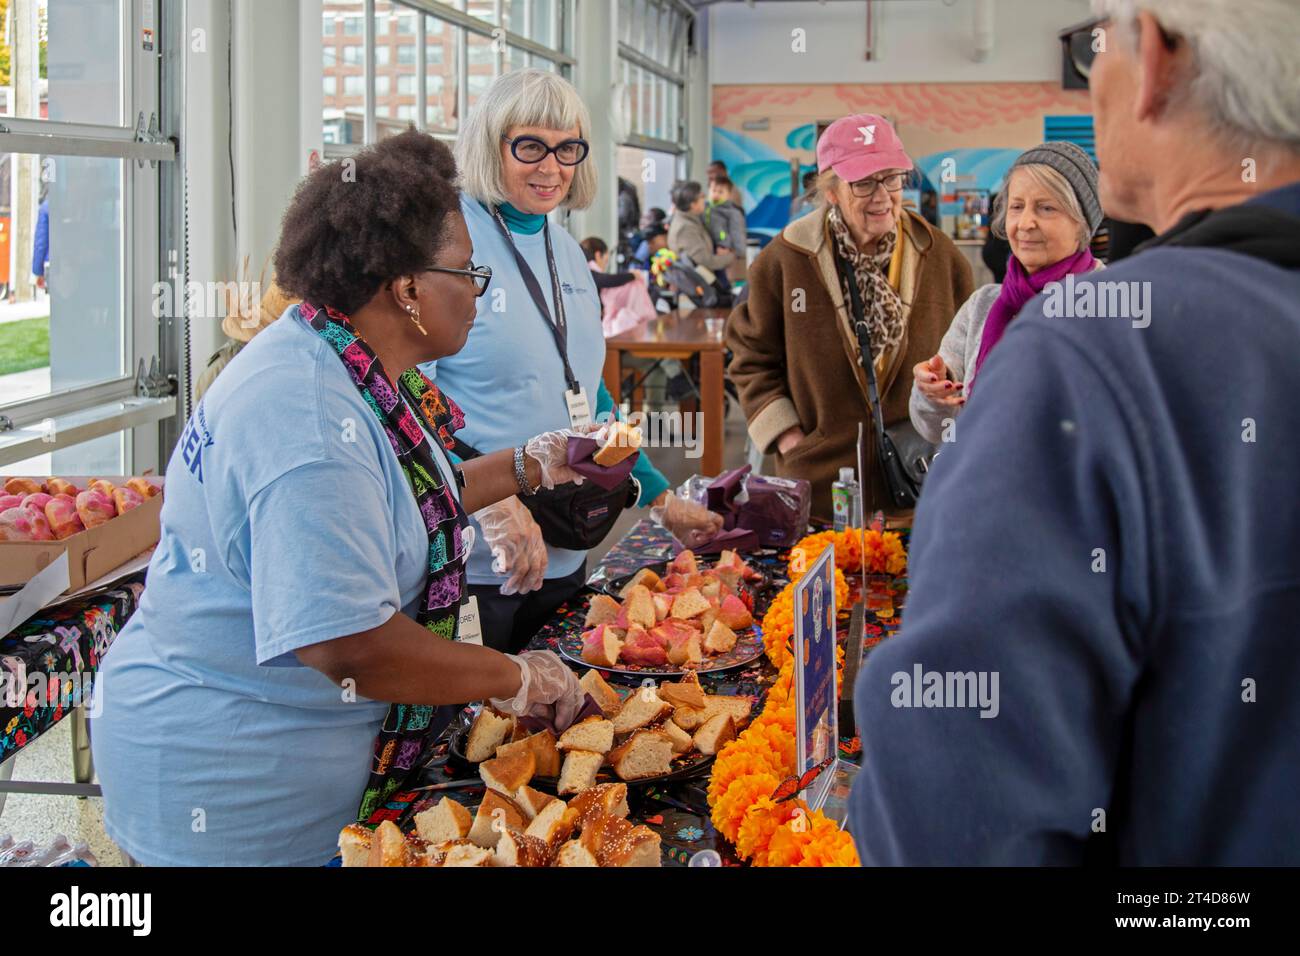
675	336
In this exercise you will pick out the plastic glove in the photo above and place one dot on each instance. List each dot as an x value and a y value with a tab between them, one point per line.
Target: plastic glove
516	544
690	523
551	451
547	687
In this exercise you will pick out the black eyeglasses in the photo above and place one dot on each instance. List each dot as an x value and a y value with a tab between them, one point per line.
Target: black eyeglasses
866	188
1082	43
481	275
531	150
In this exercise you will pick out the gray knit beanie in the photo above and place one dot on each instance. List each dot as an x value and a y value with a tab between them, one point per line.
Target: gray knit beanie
1078	169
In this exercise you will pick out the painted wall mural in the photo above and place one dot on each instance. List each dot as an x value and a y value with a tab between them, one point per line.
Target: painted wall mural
982	127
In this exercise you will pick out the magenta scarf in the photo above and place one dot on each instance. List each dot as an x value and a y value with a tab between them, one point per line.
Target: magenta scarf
1018	288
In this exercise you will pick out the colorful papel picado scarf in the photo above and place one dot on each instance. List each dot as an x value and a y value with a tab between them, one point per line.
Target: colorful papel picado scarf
409	731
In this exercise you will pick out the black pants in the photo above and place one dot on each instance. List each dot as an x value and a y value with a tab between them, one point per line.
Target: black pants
510	621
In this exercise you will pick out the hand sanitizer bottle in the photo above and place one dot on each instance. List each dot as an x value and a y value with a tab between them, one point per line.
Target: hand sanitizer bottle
846	500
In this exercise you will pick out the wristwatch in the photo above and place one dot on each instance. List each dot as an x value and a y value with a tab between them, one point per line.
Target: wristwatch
521	475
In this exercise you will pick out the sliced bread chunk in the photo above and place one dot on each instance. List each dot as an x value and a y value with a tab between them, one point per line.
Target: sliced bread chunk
685	692
602	645
486	734
554	824
388	847
615	842
354	844
606	698
738	707
495	813
542	746
643	708
532	801
715	732
604	799
465	853
506	774
574	853
682	741
640	606
580	769
686	653
520	849
594	733
690	603
647	577
447	821
720	638
647	753
603	609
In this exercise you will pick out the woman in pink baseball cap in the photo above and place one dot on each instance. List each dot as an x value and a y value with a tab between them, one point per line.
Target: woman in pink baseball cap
796	355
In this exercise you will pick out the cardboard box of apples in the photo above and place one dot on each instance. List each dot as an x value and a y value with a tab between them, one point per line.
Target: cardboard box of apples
100	523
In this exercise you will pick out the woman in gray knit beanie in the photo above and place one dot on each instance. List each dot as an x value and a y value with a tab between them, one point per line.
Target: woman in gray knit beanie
1048	211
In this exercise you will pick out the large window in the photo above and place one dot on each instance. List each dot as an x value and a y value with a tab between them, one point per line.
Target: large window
431	60
653	45
80	161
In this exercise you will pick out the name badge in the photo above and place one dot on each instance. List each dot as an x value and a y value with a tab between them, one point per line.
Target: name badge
579	407
470	630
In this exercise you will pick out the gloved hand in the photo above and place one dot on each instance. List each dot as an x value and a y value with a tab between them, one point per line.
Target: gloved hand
550	449
547	688
690	523
516	544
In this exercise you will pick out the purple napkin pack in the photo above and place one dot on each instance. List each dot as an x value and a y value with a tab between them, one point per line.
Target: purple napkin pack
774	510
579	454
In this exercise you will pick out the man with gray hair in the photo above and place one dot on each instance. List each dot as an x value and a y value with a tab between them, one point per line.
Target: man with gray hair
1134	485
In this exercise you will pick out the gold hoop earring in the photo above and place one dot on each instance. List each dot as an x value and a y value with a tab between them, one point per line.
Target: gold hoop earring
415	317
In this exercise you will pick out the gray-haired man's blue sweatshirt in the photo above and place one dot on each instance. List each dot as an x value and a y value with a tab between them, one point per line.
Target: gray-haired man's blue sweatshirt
1114	537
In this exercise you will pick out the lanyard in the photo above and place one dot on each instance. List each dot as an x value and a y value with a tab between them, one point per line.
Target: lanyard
559	325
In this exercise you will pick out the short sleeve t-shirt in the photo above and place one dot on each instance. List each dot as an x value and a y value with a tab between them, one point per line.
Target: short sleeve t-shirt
287	522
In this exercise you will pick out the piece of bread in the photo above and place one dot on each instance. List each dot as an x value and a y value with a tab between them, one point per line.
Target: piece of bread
643	708
646	577
542	746
615	842
682	742
621	441
640	606
445	822
644	647
532	801
738	707
715	732
690	603
606	698
602	645
603	609
647	753
520	849
687	653
685	692
354	844
720	639
594	733
388	846
663	605
604	799
465	853
554	824
684	563
506	774
495	813
734	613
574	853
580	769
486	734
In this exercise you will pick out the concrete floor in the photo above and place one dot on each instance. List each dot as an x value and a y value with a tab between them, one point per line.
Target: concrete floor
40	818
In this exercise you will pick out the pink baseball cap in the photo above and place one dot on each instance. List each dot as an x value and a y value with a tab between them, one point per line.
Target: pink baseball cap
859	145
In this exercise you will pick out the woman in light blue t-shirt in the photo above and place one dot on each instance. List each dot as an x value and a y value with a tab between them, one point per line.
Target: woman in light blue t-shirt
523	154
296	650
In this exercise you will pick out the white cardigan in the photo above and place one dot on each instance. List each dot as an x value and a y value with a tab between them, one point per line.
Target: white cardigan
959	350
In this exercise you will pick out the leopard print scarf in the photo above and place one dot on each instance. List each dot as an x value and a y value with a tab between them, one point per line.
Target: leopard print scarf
882	307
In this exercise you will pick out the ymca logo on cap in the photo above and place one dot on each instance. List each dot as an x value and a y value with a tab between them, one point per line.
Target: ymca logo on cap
859	146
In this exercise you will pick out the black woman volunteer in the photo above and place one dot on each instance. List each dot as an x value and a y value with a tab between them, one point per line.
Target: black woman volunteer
311	566
533	361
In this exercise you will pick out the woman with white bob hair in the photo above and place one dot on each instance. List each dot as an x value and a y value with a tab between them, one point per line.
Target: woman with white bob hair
536	351
1047	212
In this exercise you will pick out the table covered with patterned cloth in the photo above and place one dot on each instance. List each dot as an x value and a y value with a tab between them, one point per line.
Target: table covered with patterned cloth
678	811
60	646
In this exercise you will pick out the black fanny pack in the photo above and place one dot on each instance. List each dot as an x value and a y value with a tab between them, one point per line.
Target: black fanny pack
573	517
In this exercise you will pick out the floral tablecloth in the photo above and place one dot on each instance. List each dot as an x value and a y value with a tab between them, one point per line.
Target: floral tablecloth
677	811
60	646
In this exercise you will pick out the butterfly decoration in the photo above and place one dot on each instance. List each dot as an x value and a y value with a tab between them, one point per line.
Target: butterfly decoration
791	787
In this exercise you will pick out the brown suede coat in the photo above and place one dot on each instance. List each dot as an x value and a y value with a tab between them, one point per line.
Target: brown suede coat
795	353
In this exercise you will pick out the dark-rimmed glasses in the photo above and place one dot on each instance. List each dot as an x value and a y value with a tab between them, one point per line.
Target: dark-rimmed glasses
481	275
531	150
866	188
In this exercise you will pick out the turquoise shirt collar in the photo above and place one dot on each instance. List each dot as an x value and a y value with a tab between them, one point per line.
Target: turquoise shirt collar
522	222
